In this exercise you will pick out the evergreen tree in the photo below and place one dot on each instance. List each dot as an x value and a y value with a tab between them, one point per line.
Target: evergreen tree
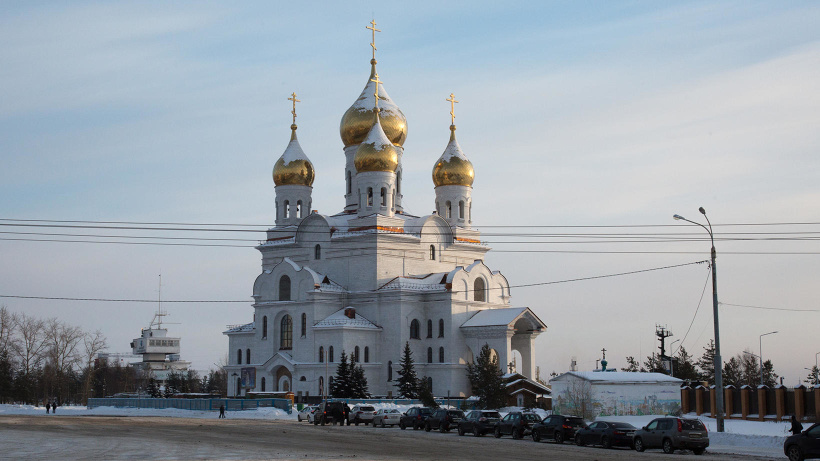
340	387
407	383
654	364
153	389
6	377
813	378
358	381
425	393
749	369
733	373
769	376
706	364
685	368
486	380
631	365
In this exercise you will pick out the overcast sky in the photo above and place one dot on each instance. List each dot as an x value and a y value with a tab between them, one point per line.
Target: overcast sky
573	114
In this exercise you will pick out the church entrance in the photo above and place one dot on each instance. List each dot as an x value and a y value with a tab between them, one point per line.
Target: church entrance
283	380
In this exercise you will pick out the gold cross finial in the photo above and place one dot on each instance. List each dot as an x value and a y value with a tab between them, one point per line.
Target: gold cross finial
378	82
373	42
453	102
293	98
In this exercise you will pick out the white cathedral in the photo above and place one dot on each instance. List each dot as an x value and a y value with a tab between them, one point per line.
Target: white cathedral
373	277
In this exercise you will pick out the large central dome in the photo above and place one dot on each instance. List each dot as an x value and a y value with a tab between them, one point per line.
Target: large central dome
361	116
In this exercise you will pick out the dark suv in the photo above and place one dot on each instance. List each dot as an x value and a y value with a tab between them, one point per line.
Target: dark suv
805	445
557	428
672	434
517	424
443	420
479	422
415	417
329	412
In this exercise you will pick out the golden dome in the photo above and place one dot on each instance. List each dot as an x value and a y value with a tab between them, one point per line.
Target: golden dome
453	168
376	152
358	119
293	168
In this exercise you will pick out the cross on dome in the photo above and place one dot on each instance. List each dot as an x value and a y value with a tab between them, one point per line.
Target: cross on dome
453	102
378	82
373	42
293	98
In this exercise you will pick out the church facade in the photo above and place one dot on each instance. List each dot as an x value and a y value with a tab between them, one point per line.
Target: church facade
374	277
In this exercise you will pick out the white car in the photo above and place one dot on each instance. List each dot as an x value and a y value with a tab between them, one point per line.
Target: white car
361	414
386	417
307	413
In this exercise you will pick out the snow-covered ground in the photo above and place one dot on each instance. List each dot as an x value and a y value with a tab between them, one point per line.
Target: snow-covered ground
740	437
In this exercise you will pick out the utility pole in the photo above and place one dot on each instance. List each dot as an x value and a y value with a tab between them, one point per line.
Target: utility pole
662	333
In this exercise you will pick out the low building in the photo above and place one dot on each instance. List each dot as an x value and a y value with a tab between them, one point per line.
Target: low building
524	392
598	393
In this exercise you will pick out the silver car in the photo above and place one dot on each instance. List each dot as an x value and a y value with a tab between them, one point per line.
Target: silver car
361	414
306	414
672	434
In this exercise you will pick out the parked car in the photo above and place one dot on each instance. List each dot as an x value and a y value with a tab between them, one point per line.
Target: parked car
306	413
329	412
607	434
479	422
415	417
386	417
805	445
361	414
558	428
517	424
443	420
672	434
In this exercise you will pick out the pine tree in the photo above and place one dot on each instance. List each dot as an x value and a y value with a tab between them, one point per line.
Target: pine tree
407	383
153	389
425	393
631	365
685	368
733	373
769	376
814	376
486	380
706	364
654	364
340	388
358	381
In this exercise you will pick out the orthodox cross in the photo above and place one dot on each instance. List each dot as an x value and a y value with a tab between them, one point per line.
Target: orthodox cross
378	82
293	98
373	42
603	351
453	102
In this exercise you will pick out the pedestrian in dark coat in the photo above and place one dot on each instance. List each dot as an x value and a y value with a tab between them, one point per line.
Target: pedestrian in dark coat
222	411
54	407
347	413
796	426
48	406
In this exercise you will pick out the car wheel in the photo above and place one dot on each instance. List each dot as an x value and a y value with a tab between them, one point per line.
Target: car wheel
794	453
667	446
498	432
516	434
402	426
638	443
460	430
536	436
427	428
579	440
559	437
605	442
698	451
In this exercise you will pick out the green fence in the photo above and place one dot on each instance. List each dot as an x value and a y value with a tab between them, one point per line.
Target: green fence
193	404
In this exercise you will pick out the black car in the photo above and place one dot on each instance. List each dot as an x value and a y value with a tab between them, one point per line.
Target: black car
329	412
415	417
517	424
479	422
607	434
443	420
805	445
672	434
557	428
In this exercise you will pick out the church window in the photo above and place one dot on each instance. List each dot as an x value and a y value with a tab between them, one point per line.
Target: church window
321	385
393	203
284	288
238	387
287	209
429	328
478	290
440	328
461	209
429	355
349	183
448	209
300	213
356	354
321	354
432	252
263	384
317	252
440	355
438	208
330	354
239	357
369	196
390	370
366	354
286	337
304	325
414	329
265	327
276	204
247	356
384	196
470	212
398	183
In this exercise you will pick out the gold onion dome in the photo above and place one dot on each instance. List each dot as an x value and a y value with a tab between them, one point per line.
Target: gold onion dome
358	119
293	168
453	168
376	152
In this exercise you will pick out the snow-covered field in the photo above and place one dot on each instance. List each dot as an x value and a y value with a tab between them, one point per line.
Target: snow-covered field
741	437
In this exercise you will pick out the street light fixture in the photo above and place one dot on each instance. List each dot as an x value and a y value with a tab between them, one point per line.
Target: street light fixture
718	361
761	354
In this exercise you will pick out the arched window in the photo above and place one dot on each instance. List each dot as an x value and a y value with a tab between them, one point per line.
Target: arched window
287	209
356	353
286	333
414	329
263	384
247	356
239	356
478	290
440	328
461	209
238	386
390	370
393	203
284	288
470	212
299	211
304	325
398	183
317	252
448	209
330	354
440	355
429	355
321	385
429	328
432	252
349	183
438	208
384	196
276	204
321	354
265	327
369	196
366	354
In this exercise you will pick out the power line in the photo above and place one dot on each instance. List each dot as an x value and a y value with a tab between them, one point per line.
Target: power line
769	308
705	284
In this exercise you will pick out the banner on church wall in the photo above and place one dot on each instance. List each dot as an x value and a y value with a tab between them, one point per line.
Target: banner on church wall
248	378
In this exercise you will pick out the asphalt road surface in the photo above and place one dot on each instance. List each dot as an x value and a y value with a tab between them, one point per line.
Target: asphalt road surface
73	437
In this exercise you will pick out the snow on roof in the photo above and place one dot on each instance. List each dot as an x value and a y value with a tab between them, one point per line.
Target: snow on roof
494	317
618	377
424	282
248	327
338	319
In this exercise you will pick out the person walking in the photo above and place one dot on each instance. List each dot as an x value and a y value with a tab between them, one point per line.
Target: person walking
347	414
222	411
48	406
54	407
796	426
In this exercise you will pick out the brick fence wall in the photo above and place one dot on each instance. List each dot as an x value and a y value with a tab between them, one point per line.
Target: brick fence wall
750	403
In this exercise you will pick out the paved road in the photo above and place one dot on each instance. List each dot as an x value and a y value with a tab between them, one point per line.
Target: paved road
73	437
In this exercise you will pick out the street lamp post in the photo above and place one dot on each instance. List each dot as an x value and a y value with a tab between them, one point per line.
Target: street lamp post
718	361
761	354
815	359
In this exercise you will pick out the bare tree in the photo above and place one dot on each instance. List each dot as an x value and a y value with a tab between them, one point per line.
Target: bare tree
63	342
32	342
93	344
578	399
8	325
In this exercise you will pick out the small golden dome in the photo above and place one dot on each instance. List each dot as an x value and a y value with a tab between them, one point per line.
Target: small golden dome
358	119
376	152
293	168
453	168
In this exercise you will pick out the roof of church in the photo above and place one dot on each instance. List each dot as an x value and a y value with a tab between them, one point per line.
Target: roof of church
424	282
618	377
339	319
240	328
494	317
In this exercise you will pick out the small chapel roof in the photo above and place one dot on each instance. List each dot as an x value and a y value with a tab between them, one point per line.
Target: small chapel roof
494	317
618	377
346	318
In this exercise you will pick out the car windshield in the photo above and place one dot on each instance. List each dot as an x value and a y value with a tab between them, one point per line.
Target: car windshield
455	413
490	414
391	411
367	409
532	417
575	421
425	411
692	425
622	426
